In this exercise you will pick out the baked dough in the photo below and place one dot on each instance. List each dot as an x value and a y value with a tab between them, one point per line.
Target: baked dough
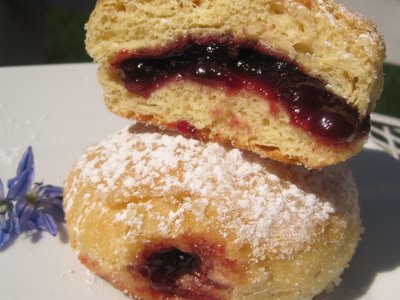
162	216
322	38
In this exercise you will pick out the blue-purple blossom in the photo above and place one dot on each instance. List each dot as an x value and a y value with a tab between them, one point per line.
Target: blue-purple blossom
39	209
29	206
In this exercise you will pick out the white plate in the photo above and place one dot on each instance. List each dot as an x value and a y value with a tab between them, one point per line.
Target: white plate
59	111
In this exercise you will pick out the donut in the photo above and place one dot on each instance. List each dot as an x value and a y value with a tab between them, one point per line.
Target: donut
291	80
163	216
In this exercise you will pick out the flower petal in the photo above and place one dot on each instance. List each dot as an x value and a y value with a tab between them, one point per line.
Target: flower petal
51	191
1	190
24	212
5	224
4	237
20	185
17	225
51	205
6	229
46	222
27	161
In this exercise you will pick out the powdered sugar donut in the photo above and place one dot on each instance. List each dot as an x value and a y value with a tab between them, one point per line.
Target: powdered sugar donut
162	216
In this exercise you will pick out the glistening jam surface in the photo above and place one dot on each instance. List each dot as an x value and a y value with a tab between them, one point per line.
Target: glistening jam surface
235	65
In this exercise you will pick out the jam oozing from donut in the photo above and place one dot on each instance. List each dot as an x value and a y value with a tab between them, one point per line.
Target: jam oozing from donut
165	267
187	129
234	65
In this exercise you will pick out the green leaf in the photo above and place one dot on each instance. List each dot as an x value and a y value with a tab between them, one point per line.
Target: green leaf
389	103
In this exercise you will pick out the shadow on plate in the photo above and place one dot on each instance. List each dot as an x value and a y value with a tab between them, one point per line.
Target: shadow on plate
378	180
62	234
36	236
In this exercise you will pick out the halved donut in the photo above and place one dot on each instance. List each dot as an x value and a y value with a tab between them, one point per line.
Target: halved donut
290	80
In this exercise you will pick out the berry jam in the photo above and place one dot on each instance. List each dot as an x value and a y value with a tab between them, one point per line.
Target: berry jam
170	271
233	66
165	267
187	129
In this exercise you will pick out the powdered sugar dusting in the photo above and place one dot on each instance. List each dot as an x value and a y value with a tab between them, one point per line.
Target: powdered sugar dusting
167	180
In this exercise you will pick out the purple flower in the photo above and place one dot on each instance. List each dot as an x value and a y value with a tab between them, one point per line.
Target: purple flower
6	217
28	205
39	209
36	207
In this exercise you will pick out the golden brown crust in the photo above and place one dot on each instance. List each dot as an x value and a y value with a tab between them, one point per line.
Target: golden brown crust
328	155
264	230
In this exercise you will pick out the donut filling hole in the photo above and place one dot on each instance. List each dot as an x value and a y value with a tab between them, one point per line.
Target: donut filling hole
166	267
172	272
233	65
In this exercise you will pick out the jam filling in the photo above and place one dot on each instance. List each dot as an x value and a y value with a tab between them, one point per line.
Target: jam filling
173	272
164	268
186	129
236	65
